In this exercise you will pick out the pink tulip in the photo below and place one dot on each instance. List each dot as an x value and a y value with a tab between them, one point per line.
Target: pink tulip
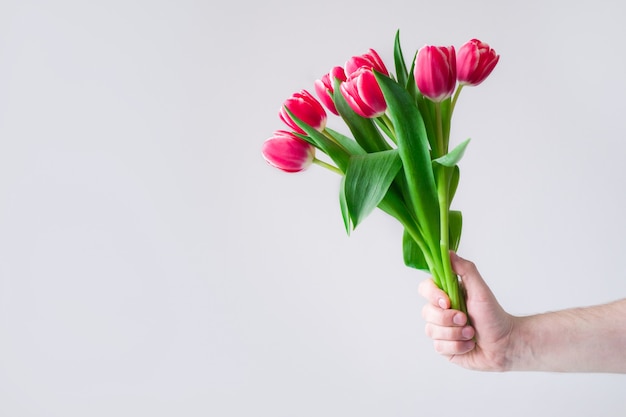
435	72
368	60
363	94
474	62
306	108
324	87
288	152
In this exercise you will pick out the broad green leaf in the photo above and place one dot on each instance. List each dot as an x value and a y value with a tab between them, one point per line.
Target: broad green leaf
344	206
401	72
455	224
454	156
415	154
364	130
367	180
412	254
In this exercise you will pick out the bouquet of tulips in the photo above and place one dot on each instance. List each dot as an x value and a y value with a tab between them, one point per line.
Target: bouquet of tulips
397	155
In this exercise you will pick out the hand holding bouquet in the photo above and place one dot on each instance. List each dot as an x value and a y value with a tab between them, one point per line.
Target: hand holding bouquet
397	157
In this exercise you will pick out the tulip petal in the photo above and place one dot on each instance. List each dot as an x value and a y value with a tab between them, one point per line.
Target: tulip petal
475	61
363	129
287	152
435	72
370	94
306	108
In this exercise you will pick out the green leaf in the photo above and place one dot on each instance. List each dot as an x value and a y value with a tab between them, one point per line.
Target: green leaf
415	154
344	206
454	183
427	108
367	180
364	130
455	224
401	72
348	143
454	156
412	254
382	126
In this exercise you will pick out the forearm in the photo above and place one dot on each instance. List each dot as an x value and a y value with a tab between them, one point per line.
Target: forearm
589	339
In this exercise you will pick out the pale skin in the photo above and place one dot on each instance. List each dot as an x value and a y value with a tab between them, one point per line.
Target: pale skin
583	339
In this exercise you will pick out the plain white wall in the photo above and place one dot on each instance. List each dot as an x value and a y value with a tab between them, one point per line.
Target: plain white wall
151	263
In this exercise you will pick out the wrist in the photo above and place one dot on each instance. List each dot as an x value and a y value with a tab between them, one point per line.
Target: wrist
521	353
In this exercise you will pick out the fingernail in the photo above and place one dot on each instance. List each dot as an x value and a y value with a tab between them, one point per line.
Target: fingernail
459	319
467	332
442	303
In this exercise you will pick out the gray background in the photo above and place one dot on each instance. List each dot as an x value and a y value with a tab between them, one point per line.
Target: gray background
151	263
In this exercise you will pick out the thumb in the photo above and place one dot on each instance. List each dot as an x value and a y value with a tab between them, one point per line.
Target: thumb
473	282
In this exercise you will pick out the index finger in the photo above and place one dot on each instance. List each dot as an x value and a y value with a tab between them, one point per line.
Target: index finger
429	290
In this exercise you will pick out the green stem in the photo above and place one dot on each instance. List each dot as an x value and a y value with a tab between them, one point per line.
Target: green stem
332	139
452	285
389	125
327	166
386	128
449	278
455	98
441	142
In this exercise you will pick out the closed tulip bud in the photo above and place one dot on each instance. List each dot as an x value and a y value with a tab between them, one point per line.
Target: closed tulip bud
435	72
363	94
324	87
368	60
474	62
306	108
287	152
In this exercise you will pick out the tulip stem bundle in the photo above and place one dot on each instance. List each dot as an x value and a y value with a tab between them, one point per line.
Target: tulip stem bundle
397	158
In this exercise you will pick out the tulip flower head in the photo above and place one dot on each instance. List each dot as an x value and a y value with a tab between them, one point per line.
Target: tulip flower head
368	60
324	87
435	72
287	152
306	108
475	61
363	94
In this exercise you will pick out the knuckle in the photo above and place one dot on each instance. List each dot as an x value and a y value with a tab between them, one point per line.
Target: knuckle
438	346
447	318
428	330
